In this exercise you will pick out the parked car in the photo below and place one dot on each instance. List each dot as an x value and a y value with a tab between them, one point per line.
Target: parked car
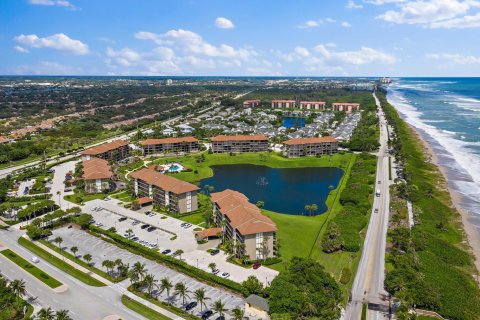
216	271
207	314
167	251
256	265
150	229
134	223
214	252
122	219
145	226
225	274
191	305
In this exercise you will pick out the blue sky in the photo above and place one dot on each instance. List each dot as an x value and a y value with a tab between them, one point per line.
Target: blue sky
240	38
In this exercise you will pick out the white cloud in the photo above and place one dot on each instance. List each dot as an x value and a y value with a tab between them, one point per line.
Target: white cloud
57	41
454	59
59	3
46	68
382	2
224	23
315	23
352	5
21	49
364	55
435	13
193	43
345	24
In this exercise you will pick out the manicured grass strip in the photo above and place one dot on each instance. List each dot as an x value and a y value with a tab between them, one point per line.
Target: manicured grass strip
81	262
62	265
142	309
364	312
34	271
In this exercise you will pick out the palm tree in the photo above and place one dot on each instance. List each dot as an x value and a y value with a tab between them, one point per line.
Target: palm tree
179	253
108	264
58	194
74	251
18	288
150	283
133	276
308	208
62	315
87	257
58	240
314	208
129	232
165	284
140	270
46	314
219	307
212	265
182	291
238	313
265	247
200	297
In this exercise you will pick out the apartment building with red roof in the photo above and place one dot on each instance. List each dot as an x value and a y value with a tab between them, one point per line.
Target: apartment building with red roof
242	222
239	144
97	175
170	145
283	104
302	147
111	151
251	103
347	107
166	191
312	105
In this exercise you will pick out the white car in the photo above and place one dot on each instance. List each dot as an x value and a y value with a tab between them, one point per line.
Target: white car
35	260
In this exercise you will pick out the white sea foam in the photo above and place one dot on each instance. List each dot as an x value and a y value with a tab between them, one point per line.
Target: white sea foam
468	162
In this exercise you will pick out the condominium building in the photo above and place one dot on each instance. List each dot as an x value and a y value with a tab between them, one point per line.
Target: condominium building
111	151
251	103
302	147
345	106
283	104
170	145
312	105
166	191
97	175
240	143
242	222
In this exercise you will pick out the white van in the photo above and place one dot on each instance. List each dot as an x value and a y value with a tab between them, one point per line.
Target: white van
377	193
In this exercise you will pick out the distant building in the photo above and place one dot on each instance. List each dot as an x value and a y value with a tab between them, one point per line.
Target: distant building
166	191
170	145
185	128
110	151
169	82
345	106
240	143
97	175
385	80
242	222
301	147
4	140
283	104
168	132
312	105
251	103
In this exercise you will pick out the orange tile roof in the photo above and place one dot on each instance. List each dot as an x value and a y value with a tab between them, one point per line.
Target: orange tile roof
345	104
243	215
312	102
163	181
167	140
4	139
310	140
144	200
283	100
105	147
210	232
239	138
96	168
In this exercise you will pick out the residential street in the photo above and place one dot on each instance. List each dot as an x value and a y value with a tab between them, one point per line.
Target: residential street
368	284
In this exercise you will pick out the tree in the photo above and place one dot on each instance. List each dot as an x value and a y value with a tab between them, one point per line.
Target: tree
308	208
200	297
150	282
219	307
212	266
18	289
182	291
84	220
140	269
260	204
134	277
314	208
166	285
46	314
252	286
238	313
58	240
109	265
74	250
265	248
87	257
179	253
62	315
129	233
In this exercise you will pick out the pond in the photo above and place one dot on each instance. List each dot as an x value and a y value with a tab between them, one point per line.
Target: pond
293	122
284	190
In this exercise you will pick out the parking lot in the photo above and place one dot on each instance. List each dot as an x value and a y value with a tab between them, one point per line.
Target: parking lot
102	250
168	228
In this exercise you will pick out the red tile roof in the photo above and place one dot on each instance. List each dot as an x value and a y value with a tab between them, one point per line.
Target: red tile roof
167	140
329	139
105	147
144	200
283	100
210	232
239	138
243	215
345	104
96	168
163	181
4	139
312	102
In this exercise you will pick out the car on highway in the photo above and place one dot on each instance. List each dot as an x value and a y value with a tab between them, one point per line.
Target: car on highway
35	260
190	305
376	210
256	265
207	314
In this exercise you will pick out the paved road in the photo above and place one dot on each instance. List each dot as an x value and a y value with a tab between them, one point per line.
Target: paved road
368	284
83	301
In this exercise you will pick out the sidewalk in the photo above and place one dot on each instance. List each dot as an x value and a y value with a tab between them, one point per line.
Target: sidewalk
109	283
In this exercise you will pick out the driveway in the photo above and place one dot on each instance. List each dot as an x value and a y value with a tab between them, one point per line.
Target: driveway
57	184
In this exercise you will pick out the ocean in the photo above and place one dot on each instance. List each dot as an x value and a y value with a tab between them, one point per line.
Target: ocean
446	112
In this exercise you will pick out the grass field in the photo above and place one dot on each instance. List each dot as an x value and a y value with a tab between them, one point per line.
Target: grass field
142	309
33	270
62	265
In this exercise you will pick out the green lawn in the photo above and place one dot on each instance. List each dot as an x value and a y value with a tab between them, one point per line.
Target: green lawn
62	265
33	270
142	309
123	196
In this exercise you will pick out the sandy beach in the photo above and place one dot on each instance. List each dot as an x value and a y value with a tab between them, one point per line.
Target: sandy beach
471	230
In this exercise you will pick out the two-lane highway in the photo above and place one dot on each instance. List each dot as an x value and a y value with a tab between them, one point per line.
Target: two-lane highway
368	284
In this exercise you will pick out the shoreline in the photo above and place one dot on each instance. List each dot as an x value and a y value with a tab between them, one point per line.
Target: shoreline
472	235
